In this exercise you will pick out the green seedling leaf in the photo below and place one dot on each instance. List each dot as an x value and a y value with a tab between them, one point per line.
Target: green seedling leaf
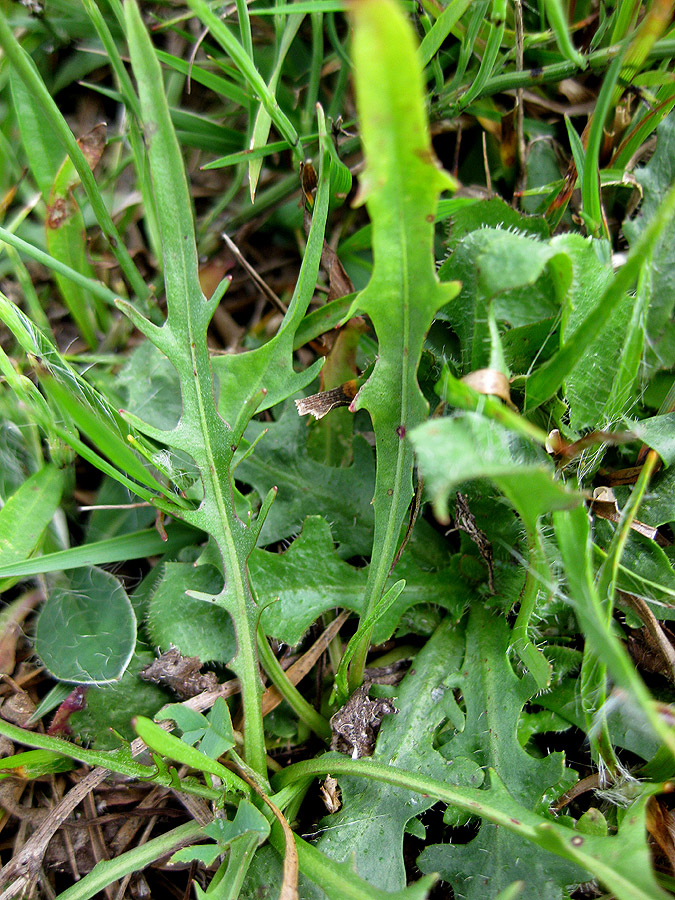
578	152
589	385
214	732
247	818
441	28
368	830
493	697
557	18
26	514
170	746
248	821
86	631
263	119
219	737
467	446
193	724
366	625
297	586
544	383
400	185
242	837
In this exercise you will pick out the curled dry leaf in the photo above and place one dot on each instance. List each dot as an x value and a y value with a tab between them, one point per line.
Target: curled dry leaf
331	795
92	144
490	381
564	450
660	824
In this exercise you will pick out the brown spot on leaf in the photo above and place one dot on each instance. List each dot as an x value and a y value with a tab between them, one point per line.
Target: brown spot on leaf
58	212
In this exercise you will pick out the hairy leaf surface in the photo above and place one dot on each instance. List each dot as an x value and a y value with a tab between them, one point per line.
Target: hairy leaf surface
297	586
493	697
368	830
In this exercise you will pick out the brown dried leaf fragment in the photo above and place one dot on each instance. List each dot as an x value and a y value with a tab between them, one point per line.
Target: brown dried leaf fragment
490	381
180	673
564	451
318	405
356	725
660	824
466	522
604	506
339	283
331	794
92	144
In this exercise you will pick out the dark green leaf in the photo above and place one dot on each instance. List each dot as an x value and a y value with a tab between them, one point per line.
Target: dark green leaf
306	487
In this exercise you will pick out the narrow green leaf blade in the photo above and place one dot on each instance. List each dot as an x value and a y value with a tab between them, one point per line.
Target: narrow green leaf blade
400	185
27	513
98	553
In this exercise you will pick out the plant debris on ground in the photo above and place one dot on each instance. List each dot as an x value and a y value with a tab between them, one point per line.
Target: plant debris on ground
337	445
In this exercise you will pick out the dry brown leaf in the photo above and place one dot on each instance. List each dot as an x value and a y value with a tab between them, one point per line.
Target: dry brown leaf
490	381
